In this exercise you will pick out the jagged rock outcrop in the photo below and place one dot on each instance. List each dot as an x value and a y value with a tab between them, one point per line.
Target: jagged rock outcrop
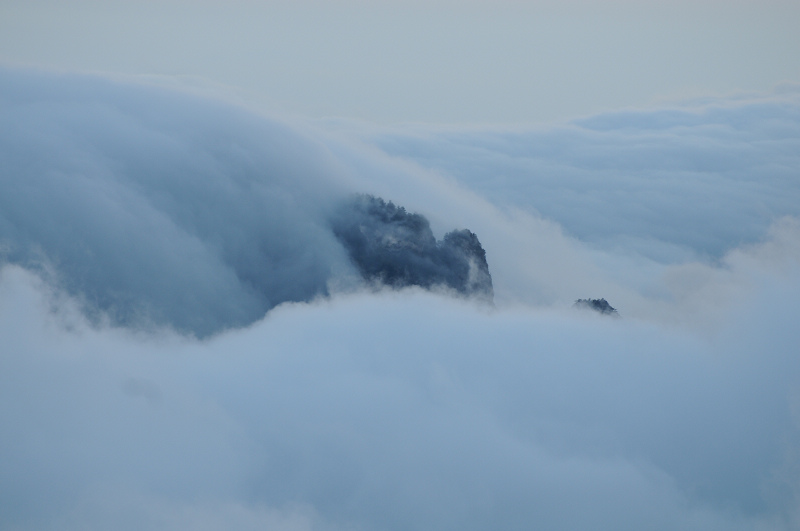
598	305
397	248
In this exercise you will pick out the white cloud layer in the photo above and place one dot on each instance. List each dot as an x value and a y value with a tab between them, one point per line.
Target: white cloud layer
394	410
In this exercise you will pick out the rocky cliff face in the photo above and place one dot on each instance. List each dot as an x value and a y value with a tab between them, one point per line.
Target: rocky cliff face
397	248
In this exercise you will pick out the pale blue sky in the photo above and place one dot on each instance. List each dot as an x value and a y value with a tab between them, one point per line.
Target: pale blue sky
439	61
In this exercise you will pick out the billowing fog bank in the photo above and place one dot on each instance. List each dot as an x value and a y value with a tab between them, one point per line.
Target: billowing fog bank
135	219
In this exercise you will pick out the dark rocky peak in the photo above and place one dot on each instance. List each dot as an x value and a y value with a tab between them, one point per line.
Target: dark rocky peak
397	248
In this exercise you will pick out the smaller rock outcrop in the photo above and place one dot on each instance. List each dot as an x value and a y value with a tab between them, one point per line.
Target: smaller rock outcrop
598	305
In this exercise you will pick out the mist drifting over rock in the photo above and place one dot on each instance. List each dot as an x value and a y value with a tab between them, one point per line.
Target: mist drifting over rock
599	305
397	248
156	208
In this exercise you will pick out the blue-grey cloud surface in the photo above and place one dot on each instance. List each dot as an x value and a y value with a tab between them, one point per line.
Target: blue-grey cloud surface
144	202
646	177
407	409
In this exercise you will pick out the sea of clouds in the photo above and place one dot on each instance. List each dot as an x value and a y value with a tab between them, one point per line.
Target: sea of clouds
184	344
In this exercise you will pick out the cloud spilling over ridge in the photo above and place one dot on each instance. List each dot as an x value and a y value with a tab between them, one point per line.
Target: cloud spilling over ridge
146	203
155	206
393	409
